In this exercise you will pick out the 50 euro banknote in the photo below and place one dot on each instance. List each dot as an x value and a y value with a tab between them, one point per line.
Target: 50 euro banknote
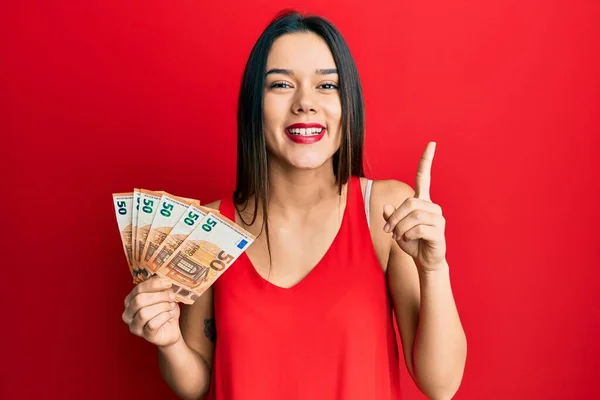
139	211
123	203
191	217
206	253
148	205
169	212
134	216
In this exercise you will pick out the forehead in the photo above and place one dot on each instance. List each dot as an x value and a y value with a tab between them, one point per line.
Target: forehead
302	51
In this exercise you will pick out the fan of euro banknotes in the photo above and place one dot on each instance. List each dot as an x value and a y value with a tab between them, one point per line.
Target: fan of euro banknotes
178	239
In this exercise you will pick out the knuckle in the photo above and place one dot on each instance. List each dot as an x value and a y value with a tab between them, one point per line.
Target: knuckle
155	284
143	314
418	215
138	301
136	327
135	302
151	325
146	286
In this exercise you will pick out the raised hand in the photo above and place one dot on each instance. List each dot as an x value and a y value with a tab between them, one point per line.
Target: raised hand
418	225
151	312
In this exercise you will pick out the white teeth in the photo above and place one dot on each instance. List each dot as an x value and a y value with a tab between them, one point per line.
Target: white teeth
305	131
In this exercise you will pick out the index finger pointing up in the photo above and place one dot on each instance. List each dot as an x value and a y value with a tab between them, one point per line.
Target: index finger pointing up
424	173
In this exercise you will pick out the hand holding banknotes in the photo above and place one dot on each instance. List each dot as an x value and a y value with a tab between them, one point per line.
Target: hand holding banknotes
152	313
178	240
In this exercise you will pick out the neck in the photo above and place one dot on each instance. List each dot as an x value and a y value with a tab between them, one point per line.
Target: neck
292	190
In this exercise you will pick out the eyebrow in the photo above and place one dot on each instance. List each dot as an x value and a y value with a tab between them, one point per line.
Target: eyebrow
325	71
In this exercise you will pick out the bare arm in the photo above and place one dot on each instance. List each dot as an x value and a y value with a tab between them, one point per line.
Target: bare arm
432	336
186	364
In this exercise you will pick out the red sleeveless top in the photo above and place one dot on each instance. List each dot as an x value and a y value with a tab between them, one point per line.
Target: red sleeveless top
329	337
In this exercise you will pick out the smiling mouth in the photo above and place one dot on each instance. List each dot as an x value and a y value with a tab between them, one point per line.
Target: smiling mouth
305	131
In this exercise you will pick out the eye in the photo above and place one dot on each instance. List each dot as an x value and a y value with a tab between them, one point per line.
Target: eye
328	86
279	85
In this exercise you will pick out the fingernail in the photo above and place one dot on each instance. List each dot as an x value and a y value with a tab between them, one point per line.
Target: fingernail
172	296
166	283
386	227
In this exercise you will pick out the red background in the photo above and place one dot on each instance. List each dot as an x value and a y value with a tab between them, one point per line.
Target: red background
99	97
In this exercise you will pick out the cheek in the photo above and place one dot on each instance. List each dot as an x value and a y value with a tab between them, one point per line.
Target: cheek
334	116
271	119
333	107
274	111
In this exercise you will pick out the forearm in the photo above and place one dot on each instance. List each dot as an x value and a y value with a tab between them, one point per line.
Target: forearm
440	347
184	370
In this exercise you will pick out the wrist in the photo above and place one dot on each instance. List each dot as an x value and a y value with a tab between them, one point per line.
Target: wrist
173	347
435	273
441	267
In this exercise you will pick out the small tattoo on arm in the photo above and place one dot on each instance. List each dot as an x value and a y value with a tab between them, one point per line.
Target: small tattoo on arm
210	330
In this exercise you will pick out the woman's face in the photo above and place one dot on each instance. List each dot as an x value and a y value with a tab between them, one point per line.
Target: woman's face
302	108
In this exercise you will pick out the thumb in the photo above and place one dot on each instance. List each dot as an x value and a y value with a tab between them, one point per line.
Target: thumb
388	210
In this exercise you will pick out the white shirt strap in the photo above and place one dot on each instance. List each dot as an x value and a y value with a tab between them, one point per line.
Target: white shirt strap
368	201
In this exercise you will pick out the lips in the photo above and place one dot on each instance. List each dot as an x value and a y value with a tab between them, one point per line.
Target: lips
305	133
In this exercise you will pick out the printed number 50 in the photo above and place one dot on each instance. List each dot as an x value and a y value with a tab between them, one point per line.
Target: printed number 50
219	265
209	225
122	207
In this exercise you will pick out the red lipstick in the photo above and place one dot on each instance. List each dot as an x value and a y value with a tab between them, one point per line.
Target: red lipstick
296	136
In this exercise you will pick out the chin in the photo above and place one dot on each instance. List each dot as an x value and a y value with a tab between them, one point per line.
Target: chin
308	161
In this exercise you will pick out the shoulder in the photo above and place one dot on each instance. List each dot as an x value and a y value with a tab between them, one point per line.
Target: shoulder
389	191
384	192
214	205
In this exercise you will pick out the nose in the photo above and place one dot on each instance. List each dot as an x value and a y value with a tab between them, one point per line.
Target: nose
304	103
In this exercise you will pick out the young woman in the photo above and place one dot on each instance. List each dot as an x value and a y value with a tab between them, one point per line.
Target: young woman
307	312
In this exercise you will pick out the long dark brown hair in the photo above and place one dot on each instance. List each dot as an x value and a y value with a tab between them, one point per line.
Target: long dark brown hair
252	165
